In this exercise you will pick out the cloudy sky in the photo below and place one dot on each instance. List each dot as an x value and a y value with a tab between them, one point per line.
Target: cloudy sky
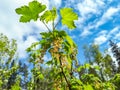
98	22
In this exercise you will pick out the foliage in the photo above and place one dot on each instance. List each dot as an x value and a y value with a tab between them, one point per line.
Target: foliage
62	71
68	17
30	12
7	57
116	53
56	42
103	61
116	81
49	15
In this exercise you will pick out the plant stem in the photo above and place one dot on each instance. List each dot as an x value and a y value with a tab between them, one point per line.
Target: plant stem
57	23
53	25
71	73
46	26
64	74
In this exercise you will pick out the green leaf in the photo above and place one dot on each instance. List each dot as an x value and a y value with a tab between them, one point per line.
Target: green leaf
45	35
41	76
88	87
49	15
31	11
43	42
62	33
76	84
97	67
87	66
49	62
68	17
80	68
69	40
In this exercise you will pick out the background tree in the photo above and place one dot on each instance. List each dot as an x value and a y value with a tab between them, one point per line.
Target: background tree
116	53
13	76
24	73
8	65
103	62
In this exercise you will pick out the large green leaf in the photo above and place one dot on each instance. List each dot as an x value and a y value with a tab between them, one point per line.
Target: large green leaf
31	11
68	17
49	15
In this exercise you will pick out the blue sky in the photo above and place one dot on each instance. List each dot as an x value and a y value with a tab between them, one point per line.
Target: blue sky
98	22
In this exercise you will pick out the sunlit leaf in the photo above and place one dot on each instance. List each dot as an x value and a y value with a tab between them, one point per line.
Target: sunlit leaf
87	66
30	12
88	87
49	15
69	40
41	76
97	67
80	68
68	17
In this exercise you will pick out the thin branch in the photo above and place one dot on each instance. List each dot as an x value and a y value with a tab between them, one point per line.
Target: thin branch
53	25
71	73
64	75
46	26
57	23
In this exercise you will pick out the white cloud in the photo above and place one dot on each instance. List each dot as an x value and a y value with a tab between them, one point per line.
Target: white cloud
117	36
114	30
100	40
23	45
86	9
103	32
25	2
89	6
114	33
86	30
107	15
118	44
102	37
55	3
105	35
85	33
